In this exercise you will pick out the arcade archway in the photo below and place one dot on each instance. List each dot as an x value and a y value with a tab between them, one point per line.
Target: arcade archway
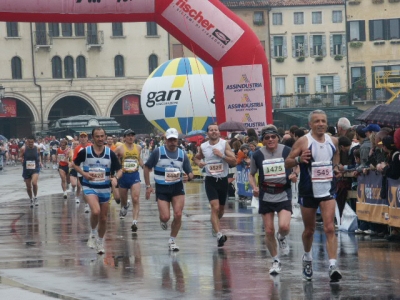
17	125
69	106
134	119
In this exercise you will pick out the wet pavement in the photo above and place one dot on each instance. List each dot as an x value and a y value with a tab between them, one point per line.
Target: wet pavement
43	254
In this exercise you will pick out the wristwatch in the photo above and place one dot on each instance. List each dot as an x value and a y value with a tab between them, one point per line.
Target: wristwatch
148	186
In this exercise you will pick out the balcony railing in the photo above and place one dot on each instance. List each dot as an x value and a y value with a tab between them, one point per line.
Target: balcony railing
94	39
359	96
42	39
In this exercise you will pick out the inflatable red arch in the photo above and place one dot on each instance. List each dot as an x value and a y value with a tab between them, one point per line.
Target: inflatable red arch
207	27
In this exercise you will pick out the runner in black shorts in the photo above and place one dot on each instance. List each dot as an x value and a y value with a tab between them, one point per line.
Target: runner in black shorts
216	156
171	168
274	191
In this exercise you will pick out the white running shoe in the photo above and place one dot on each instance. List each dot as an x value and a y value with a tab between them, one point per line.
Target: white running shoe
164	225
65	196
87	208
91	243
77	201
283	245
173	247
36	201
276	268
100	247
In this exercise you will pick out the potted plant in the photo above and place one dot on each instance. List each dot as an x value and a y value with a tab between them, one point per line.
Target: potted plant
316	100
280	59
377	1
300	58
356	44
318	58
338	57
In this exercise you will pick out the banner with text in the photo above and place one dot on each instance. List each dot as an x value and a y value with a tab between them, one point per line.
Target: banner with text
8	108
244	95
242	181
371	207
130	105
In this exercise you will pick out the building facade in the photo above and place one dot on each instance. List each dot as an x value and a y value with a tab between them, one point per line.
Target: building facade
54	70
373	36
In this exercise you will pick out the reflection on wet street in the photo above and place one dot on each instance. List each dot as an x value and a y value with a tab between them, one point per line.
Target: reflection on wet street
45	248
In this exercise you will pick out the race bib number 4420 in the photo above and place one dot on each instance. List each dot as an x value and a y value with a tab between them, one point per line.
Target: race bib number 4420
321	171
98	174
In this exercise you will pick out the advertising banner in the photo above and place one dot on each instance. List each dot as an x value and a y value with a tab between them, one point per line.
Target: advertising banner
78	6
209	27
244	95
130	105
195	168
8	108
371	207
242	181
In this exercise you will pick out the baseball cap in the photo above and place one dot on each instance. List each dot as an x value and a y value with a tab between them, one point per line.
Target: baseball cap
388	142
83	133
129	131
171	133
360	131
372	127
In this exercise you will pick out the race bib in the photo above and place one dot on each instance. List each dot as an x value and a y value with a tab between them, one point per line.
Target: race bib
130	165
215	167
61	157
274	168
321	171
30	165
98	174
172	175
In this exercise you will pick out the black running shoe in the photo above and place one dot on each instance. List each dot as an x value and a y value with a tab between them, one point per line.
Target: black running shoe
221	241
134	227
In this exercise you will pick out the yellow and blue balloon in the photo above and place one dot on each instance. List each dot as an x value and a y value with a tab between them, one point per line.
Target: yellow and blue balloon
180	94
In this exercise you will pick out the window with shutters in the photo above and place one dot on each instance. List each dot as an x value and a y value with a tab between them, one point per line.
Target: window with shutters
277	19
394	29
317	45
258	18
68	67
80	67
56	67
327	84
357	75
356	31
151	28
299	45
12	29
54	29
119	66
376	30
66	29
280	88
16	68
337	40
337	16
317	17
301	85
298	18
117	29
153	63
278	46
79	29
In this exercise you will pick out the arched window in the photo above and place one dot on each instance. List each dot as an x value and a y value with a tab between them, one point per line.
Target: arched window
68	67
153	63
16	68
119	66
80	67
56	67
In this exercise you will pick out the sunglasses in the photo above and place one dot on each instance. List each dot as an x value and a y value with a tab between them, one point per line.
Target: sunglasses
268	137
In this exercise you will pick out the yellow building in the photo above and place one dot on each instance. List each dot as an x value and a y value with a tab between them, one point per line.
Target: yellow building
373	35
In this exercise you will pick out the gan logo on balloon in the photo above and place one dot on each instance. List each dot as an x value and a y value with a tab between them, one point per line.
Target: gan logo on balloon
180	94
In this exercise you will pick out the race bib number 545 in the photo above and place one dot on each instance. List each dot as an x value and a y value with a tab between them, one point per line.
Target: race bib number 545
321	171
